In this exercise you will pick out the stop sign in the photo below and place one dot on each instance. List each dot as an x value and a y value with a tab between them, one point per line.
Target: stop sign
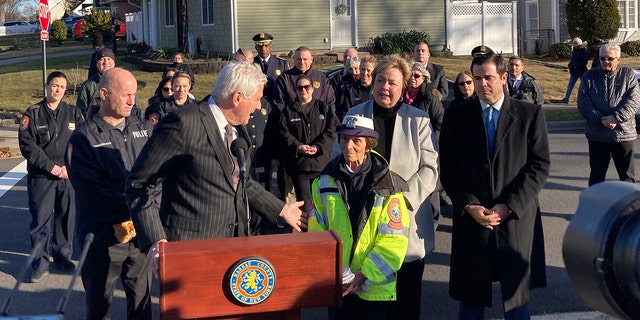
44	13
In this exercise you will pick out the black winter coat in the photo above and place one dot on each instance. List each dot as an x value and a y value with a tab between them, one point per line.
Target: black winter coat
317	128
578	63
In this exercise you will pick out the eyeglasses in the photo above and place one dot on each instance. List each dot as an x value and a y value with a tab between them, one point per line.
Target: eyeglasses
608	59
166	89
416	76
304	87
463	83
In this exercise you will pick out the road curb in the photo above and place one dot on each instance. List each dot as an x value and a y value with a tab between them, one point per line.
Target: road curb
568	126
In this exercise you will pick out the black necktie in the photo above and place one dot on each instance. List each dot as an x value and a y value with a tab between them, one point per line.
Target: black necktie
236	169
264	66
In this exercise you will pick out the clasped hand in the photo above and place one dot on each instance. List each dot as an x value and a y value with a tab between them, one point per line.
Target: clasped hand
486	217
307	149
609	122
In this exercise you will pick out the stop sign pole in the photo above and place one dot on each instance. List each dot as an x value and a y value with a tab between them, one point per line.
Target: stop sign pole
44	14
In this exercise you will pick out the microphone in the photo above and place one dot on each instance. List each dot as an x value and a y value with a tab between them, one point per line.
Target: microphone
238	149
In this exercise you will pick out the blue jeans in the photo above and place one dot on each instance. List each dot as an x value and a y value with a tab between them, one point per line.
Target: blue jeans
572	83
474	312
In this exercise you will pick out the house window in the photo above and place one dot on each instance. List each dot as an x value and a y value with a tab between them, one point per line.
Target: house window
207	12
628	17
169	13
532	26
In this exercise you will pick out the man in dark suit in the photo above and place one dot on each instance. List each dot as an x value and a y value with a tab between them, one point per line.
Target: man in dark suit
494	158
262	129
189	154
422	54
270	65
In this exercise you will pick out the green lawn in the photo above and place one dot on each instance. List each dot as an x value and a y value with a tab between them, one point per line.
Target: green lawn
22	81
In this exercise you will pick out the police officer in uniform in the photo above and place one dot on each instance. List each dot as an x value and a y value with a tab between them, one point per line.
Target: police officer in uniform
43	135
100	154
271	65
285	87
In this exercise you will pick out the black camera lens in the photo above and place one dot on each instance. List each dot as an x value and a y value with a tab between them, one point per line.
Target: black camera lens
601	249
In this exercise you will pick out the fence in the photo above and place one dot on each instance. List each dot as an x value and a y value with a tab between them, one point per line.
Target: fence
491	24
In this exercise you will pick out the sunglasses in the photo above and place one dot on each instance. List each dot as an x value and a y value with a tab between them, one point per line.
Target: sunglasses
416	76
463	83
166	89
304	87
609	59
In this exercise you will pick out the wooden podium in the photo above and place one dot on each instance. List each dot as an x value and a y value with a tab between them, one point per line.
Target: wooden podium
258	277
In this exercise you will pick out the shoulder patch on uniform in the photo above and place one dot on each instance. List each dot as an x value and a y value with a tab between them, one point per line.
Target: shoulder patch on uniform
154	118
24	123
316	84
394	211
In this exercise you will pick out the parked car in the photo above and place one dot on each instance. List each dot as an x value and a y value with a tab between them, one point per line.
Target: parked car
121	31
17	27
70	22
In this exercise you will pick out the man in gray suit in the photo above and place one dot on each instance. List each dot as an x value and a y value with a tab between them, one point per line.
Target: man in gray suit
422	54
188	154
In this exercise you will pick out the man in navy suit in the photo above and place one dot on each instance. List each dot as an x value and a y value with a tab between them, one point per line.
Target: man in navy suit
494	157
270	65
188	154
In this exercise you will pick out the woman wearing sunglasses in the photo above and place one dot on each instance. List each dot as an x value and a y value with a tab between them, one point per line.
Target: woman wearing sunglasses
163	92
421	96
308	128
463	89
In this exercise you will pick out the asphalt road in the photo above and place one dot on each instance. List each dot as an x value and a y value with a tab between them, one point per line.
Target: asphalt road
558	200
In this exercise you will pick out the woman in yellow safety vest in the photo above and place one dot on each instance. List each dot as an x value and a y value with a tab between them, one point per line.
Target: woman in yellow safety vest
361	199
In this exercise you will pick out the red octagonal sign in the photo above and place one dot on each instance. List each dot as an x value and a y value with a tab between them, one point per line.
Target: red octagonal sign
43	13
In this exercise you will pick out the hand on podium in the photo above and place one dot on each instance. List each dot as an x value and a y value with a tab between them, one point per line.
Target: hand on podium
153	255
292	214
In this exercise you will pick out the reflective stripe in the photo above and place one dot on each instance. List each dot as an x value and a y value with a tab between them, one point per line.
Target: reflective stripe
324	184
378	201
384	228
321	218
381	264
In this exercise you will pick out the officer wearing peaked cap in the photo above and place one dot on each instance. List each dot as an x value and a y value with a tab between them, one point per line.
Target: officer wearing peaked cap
270	65
481	50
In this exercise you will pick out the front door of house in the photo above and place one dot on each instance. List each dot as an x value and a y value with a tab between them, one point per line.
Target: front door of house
342	23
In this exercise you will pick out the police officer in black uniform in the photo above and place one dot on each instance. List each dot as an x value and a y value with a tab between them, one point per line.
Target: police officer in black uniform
99	156
43	135
271	65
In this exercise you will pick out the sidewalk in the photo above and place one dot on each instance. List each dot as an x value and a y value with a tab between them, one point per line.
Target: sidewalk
5	62
9	139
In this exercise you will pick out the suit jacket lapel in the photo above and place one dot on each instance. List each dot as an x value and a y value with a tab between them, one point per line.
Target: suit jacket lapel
216	141
508	116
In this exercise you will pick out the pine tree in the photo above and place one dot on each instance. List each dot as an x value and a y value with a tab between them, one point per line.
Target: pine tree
591	19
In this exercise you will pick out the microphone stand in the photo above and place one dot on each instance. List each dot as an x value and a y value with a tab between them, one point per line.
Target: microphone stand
245	199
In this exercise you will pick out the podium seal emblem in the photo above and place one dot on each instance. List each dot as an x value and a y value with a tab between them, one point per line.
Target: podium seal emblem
251	280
